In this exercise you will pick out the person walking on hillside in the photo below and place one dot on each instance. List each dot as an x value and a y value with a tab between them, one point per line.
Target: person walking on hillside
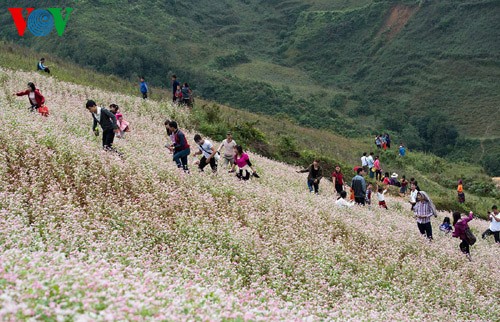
402	150
187	95
122	124
494	228
209	154
338	179
460	192
424	209
364	162
35	97
175	84
228	144
358	185
143	87
370	162
378	169
179	147
460	225
171	136
41	66
315	174
106	120
387	140
378	142
413	194
242	161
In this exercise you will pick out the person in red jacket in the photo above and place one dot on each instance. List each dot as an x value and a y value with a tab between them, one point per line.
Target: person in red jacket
35	97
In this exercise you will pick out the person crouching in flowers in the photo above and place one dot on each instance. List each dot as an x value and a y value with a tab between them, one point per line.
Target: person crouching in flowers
242	160
107	120
446	226
424	209
34	95
342	201
122	124
460	223
315	173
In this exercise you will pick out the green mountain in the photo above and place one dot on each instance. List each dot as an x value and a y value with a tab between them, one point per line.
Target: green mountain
426	71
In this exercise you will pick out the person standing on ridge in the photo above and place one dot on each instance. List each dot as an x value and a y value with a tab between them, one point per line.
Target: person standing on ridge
364	162
143	87
175	84
187	95
107	120
370	163
460	192
358	185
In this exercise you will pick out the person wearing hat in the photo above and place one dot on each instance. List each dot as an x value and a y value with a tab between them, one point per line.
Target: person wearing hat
106	120
394	180
424	209
228	144
494	229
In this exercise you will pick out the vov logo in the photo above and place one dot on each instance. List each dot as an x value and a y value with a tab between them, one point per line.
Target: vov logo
40	22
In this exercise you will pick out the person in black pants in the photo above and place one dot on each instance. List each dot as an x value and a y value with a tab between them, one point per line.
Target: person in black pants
314	176
175	83
107	120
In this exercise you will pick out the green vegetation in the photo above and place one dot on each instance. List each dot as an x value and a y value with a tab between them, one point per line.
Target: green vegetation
281	138
415	68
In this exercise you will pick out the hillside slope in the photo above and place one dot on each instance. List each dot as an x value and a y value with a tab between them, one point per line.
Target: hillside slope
346	66
86	235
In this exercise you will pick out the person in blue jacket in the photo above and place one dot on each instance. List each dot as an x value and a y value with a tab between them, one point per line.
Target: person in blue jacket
143	87
41	66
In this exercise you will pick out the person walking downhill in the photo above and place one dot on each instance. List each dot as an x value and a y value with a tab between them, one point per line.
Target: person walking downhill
207	149
180	147
242	161
460	192
107	121
122	124
35	97
460	224
338	179
314	177
424	209
228	144
143	87
358	185
494	228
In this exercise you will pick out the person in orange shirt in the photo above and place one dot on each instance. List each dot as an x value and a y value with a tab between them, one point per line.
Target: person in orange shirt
460	191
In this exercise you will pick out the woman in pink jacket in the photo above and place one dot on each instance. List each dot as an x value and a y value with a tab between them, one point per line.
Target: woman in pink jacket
242	160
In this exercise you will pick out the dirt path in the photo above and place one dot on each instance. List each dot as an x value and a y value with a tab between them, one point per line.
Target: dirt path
397	19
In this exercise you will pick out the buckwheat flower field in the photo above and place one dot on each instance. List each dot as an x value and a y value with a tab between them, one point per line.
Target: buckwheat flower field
86	235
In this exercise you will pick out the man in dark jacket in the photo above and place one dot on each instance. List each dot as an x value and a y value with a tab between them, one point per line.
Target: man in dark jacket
107	120
180	148
359	186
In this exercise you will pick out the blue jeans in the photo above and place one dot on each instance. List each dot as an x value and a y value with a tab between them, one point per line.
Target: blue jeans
181	158
311	185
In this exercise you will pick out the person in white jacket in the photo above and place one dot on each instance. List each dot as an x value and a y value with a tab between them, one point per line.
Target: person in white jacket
494	229
342	202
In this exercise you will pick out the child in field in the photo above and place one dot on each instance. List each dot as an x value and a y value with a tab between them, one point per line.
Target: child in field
381	197
369	191
446	225
460	192
122	124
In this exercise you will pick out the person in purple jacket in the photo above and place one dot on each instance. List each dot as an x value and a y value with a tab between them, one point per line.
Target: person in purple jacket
460	223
